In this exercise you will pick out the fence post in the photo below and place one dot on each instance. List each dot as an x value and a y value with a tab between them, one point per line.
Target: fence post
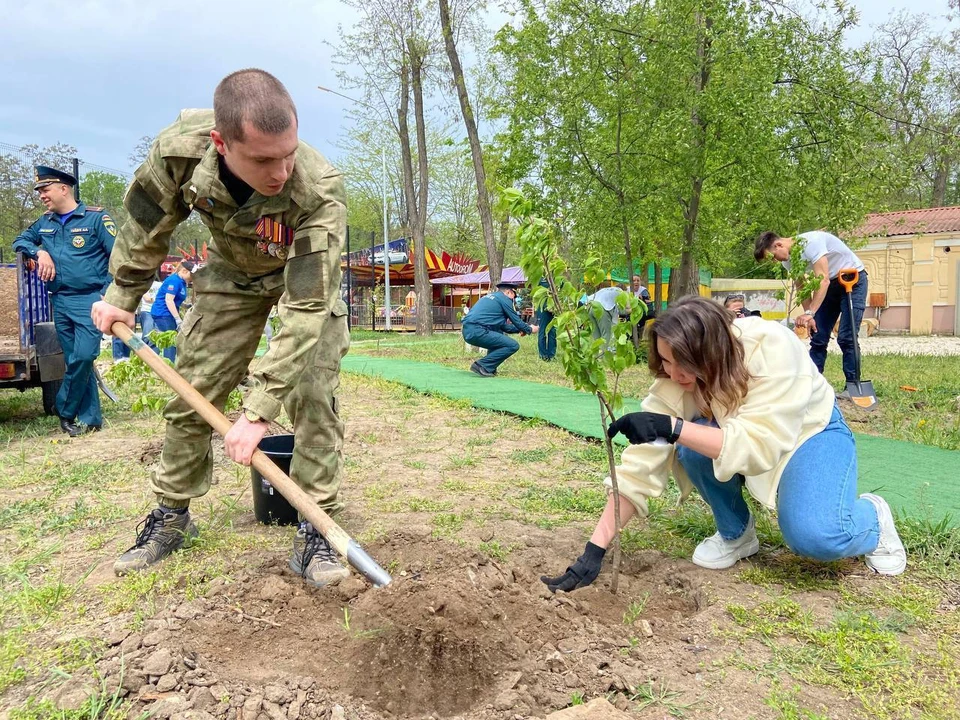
349	296
373	283
76	174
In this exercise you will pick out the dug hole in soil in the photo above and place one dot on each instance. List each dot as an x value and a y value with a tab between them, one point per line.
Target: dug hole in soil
454	635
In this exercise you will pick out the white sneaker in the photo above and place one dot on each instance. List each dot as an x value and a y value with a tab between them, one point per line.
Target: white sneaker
889	558
715	553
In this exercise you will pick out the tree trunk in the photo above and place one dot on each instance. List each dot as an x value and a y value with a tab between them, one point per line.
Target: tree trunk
494	259
501	248
685	280
940	180
421	278
657	286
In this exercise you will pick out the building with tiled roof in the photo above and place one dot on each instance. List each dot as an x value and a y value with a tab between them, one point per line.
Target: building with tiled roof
911	257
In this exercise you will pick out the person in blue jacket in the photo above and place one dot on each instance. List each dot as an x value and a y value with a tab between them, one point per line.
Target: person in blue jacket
546	339
71	245
486	324
166	305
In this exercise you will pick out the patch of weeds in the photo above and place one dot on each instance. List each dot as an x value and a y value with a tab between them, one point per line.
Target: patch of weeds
102	705
456	485
415	464
534	423
458	462
635	609
553	506
786	705
794	573
373	533
594	455
933	548
13	648
649	694
22	511
381	491
478	441
531	456
368	438
427	505
916	602
495	550
352	630
858	653
577	698
448	524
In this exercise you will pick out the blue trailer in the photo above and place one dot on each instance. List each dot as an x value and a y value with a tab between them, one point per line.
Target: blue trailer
30	353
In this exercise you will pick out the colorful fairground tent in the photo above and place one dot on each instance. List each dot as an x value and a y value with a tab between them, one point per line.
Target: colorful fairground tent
401	259
481	278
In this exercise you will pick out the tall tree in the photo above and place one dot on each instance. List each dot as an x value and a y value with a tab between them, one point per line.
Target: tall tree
393	45
494	259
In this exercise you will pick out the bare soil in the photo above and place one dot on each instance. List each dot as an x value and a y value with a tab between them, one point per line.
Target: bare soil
458	634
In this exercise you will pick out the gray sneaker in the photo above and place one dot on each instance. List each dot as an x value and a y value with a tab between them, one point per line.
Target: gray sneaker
157	536
313	558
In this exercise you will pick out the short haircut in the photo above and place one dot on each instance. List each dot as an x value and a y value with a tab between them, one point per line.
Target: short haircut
253	96
733	298
763	244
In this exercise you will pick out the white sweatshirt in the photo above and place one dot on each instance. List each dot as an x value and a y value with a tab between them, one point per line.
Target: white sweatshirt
788	401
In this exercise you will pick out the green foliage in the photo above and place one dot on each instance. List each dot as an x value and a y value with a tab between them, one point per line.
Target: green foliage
798	284
688	124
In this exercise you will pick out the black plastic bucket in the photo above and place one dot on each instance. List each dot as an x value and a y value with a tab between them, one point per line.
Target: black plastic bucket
269	506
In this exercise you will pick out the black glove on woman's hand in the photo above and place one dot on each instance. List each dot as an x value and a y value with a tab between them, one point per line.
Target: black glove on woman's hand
642	427
583	572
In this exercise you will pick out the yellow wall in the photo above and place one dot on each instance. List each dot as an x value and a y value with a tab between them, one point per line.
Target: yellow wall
918	274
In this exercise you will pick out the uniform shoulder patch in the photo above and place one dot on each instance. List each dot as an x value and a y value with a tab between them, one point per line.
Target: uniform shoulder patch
95	208
110	225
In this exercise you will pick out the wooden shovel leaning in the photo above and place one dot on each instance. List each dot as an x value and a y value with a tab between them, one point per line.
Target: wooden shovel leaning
341	541
861	391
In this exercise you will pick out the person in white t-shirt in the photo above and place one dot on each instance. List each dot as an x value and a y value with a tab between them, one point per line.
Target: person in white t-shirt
825	255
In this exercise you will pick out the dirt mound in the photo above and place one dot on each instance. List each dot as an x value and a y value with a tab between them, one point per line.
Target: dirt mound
455	635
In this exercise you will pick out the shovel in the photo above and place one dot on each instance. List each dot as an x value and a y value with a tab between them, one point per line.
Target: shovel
341	541
861	391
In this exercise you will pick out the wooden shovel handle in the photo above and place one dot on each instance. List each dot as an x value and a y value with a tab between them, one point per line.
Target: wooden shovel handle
338	537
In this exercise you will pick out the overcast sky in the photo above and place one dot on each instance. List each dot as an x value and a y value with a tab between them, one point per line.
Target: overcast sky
99	74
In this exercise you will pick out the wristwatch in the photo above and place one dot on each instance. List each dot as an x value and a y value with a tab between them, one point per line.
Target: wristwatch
252	416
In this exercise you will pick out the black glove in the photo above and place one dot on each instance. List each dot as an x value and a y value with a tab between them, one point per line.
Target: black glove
642	427
583	572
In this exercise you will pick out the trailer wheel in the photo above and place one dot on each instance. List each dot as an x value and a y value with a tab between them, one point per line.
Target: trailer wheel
50	389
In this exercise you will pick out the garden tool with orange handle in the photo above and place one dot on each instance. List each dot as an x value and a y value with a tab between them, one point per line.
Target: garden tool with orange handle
341	541
861	392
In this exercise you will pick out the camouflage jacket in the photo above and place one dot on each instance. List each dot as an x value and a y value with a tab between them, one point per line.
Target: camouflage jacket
180	175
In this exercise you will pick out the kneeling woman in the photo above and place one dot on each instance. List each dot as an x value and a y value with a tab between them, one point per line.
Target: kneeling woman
740	403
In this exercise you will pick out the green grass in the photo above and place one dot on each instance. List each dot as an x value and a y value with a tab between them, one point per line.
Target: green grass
857	651
555	506
928	416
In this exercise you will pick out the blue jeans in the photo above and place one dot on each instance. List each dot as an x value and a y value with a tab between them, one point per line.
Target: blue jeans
119	349
79	398
546	341
819	512
499	347
163	324
835	305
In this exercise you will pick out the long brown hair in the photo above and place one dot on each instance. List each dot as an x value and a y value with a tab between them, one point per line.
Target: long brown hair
701	334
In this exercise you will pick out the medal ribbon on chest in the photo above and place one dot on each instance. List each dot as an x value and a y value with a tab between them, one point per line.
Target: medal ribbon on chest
277	238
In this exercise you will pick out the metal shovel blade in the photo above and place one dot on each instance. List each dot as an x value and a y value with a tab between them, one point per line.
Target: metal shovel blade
862	394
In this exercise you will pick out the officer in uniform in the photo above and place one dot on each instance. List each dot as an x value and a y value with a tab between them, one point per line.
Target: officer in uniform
71	245
486	324
276	212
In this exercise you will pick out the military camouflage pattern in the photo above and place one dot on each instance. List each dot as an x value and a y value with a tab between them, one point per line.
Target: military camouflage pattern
234	293
159	535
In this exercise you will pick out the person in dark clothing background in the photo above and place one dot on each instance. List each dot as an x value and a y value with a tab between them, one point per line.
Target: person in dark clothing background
487	323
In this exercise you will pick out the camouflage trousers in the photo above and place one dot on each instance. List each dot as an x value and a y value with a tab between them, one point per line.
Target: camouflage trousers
216	344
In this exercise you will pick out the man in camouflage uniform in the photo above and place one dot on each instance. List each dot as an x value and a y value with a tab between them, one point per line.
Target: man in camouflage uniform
276	211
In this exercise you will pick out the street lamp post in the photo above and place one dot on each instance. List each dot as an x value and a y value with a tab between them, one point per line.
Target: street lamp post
386	238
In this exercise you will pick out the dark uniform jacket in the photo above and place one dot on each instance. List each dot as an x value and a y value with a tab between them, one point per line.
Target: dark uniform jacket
80	248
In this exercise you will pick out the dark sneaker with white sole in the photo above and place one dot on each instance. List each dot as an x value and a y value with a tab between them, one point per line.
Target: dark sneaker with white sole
314	559
159	535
